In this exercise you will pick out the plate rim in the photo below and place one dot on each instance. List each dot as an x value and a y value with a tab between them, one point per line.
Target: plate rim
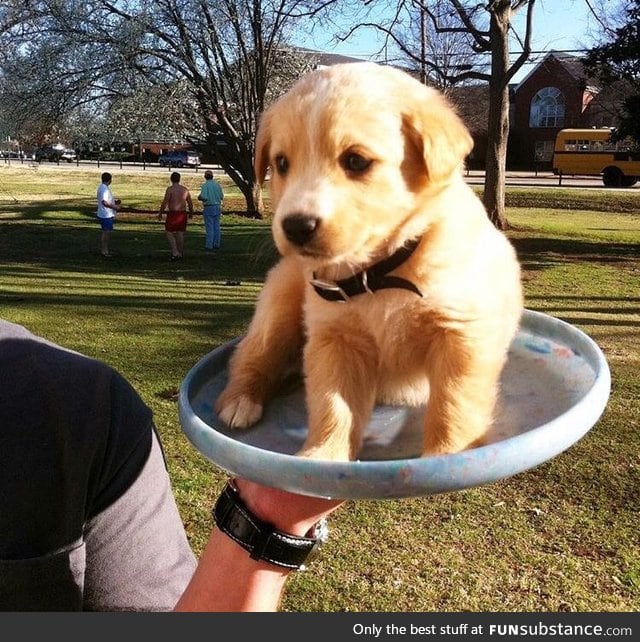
422	475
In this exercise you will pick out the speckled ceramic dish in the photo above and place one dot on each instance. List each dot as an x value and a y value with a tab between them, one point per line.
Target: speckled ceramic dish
555	386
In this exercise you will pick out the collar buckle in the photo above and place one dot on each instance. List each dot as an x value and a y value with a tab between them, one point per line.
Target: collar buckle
365	281
330	286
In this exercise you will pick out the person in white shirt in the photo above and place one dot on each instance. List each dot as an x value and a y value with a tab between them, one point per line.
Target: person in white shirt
107	208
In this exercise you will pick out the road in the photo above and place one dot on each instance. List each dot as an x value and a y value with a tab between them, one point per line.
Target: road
475	177
548	179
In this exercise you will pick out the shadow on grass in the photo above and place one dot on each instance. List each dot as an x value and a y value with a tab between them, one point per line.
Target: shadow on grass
50	249
140	249
541	252
46	210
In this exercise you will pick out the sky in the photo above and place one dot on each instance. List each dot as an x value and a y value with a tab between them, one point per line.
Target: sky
558	24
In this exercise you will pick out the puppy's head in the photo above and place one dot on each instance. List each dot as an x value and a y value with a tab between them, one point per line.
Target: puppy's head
355	152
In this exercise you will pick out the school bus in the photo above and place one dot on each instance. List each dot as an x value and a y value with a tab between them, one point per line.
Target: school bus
590	152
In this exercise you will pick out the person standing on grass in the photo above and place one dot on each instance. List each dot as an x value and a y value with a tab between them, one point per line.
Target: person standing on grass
211	196
107	208
178	206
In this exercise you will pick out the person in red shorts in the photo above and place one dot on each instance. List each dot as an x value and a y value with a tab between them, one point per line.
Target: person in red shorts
178	206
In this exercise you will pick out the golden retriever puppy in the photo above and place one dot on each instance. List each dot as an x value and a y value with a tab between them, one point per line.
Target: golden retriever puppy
393	287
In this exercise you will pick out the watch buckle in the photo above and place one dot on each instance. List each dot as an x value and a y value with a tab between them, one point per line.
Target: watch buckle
320	532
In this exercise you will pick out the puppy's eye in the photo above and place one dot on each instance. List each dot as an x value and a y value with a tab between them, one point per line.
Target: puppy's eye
282	164
355	163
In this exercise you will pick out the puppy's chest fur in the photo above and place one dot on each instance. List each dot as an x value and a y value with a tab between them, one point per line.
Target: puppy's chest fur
397	327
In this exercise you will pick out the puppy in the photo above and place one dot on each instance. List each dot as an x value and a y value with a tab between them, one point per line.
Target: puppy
393	286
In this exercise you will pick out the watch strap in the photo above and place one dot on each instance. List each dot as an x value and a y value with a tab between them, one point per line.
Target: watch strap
260	539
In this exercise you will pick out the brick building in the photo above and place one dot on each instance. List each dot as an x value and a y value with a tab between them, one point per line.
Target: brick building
553	96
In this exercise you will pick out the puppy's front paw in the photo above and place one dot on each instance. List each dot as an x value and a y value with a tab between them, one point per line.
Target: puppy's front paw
238	411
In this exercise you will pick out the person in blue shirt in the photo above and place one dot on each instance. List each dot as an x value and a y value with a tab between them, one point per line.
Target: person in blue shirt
211	196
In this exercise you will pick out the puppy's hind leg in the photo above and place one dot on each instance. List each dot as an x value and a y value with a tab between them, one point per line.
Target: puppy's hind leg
463	392
340	374
271	347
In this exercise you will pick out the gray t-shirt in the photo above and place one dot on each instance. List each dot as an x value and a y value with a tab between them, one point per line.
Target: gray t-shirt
87	517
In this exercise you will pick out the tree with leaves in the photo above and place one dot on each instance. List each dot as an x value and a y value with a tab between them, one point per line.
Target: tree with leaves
229	56
617	60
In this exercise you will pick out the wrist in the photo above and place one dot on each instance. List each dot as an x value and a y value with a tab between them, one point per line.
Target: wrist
261	535
277	507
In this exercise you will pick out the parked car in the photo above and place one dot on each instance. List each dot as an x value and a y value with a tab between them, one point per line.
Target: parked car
180	158
46	153
68	155
6	153
54	153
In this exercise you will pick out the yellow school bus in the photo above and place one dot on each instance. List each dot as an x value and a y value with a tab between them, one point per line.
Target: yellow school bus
590	152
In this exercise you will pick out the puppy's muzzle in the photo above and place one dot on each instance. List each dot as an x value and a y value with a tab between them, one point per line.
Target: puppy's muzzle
300	228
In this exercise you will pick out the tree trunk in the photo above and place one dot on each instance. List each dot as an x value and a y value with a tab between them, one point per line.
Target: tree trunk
498	126
236	159
252	193
239	167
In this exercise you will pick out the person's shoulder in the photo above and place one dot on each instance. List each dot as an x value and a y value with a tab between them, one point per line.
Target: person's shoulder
75	388
44	357
10	330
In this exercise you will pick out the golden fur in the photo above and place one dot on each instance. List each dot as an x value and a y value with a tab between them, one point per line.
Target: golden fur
373	158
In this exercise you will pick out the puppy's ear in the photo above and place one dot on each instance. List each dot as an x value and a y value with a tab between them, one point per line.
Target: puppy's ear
437	132
263	145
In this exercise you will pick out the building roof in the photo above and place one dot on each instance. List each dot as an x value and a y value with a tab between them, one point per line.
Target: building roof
472	104
326	59
573	65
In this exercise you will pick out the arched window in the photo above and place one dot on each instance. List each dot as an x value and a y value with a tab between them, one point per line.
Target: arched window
547	108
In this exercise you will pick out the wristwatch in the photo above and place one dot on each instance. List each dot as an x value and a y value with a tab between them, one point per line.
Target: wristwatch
260	539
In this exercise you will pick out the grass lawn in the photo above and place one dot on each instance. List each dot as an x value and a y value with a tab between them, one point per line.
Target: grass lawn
561	537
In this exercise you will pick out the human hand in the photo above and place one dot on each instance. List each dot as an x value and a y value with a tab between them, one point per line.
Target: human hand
288	512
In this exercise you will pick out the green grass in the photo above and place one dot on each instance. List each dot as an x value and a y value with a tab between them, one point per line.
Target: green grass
561	537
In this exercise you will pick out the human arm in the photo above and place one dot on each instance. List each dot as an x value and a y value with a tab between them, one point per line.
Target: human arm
88	517
189	204
163	205
227	578
107	200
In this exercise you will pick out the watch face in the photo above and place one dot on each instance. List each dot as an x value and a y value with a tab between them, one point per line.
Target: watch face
321	533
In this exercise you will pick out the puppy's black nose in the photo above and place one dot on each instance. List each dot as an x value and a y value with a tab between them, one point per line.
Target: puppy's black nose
300	228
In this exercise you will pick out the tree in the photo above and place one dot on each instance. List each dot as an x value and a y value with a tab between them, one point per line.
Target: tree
436	57
484	28
228	55
617	60
167	112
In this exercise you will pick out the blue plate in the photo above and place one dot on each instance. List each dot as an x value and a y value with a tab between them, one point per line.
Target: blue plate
554	388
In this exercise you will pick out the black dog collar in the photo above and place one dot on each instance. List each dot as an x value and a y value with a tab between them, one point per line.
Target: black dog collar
370	280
